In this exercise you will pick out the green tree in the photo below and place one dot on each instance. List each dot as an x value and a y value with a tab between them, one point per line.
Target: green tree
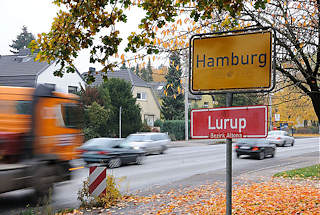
172	107
144	75
123	66
240	99
89	95
121	96
149	71
23	40
137	70
95	121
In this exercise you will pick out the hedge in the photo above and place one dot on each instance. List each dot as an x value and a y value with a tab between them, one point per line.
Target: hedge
174	128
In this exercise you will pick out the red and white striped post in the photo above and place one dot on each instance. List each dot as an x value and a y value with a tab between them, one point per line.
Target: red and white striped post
97	180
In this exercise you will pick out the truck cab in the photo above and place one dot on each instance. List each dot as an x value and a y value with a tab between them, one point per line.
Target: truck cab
40	130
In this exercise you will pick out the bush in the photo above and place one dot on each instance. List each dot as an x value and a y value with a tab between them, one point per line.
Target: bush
158	123
111	197
307	130
175	129
145	127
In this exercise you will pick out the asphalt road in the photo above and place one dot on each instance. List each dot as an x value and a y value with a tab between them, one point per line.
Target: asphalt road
178	166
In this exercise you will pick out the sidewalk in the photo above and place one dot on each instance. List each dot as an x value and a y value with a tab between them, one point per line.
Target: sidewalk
205	142
195	142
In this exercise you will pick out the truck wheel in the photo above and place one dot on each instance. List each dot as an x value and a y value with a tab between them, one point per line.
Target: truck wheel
42	183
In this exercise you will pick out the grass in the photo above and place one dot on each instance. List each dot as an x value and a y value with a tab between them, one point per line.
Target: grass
311	172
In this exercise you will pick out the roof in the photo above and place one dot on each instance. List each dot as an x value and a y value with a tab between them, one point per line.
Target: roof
17	70
21	70
158	88
123	74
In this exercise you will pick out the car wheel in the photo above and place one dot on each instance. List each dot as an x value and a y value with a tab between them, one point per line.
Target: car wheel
292	143
114	163
163	148
140	159
273	153
261	155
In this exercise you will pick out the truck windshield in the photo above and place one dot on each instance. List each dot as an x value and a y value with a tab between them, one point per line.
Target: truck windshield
72	115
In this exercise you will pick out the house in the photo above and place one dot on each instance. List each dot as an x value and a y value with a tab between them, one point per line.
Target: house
22	71
195	101
150	108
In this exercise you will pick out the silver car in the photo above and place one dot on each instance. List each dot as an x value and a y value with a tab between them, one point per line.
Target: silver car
280	138
150	142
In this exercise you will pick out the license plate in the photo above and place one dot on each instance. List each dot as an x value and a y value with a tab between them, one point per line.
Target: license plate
245	147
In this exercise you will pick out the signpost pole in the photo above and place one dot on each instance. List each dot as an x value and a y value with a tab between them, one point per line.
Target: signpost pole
229	165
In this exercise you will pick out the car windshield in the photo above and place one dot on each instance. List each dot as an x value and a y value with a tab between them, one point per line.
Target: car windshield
102	142
138	138
251	141
276	133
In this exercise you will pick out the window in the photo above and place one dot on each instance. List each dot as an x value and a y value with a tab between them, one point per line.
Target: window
24	107
205	104
149	119
72	89
70	116
142	96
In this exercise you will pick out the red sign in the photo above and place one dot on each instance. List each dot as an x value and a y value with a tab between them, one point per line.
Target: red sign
229	122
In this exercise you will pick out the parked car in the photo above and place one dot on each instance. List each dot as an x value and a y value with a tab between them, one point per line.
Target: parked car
280	138
110	151
150	142
259	148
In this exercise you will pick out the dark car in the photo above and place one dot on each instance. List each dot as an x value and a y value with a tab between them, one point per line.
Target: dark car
110	151
259	148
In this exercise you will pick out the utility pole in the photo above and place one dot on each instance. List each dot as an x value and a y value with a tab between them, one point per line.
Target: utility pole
120	122
186	104
270	112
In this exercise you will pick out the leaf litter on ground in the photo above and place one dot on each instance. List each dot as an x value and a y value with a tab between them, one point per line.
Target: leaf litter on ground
274	196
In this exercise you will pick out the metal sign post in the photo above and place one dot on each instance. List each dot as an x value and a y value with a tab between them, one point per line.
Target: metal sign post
230	62
229	165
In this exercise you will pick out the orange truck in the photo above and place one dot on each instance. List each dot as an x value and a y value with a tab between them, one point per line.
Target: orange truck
40	130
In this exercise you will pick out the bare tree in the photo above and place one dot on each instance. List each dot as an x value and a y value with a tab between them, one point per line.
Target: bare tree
296	25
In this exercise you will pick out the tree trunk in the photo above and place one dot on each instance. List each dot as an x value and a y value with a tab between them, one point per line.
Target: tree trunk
315	98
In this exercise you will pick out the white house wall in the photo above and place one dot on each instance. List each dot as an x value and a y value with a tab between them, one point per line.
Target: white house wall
68	79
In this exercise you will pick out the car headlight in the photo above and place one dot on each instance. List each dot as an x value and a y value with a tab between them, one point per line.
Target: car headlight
136	147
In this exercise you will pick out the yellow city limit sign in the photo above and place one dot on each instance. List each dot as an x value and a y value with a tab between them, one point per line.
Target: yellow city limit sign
240	61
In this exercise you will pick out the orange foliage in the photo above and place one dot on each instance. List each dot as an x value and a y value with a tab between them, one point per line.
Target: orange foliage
158	75
270	197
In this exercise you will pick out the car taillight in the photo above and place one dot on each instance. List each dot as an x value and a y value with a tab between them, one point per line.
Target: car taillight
236	147
278	138
255	149
103	152
81	150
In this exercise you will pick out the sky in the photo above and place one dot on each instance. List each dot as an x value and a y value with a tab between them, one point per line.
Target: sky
37	16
